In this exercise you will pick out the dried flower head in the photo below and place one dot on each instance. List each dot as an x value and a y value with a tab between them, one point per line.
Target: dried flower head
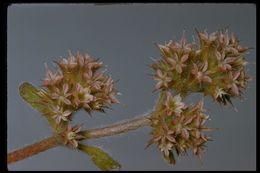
216	61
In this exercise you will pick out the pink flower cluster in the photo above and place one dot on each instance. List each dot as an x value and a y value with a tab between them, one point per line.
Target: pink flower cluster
177	127
77	83
215	66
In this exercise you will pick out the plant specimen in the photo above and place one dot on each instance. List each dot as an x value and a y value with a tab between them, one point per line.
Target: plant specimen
214	65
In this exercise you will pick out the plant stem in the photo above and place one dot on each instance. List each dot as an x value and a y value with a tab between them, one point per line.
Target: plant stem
160	100
33	149
53	141
117	128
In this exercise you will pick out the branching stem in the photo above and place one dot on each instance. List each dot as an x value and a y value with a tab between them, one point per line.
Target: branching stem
51	142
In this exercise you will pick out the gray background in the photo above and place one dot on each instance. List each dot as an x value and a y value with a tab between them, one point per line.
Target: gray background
123	36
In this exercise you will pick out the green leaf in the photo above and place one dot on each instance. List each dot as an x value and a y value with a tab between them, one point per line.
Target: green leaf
29	94
100	158
60	128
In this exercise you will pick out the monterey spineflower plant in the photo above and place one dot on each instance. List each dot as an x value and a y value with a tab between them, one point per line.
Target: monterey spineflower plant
213	65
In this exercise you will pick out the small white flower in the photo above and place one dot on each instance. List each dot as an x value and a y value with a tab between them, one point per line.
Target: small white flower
59	114
219	92
233	82
224	62
52	78
162	79
71	62
165	50
71	136
177	62
61	95
82	95
174	104
165	148
182	45
206	38
200	72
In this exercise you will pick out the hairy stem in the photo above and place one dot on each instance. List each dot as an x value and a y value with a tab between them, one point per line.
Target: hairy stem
53	141
33	149
117	128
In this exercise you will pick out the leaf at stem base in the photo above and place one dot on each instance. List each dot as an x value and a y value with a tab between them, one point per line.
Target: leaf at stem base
100	158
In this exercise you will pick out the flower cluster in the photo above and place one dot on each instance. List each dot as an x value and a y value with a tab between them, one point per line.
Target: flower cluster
71	136
77	83
214	66
177	127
